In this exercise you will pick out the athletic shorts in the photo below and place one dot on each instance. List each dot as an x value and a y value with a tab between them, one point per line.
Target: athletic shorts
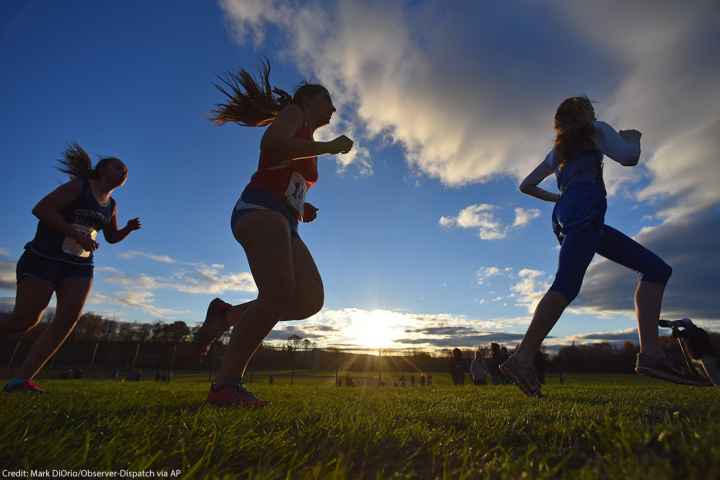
253	199
53	271
579	224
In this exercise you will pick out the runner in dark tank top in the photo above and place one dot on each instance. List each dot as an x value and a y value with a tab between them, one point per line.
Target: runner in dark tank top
60	258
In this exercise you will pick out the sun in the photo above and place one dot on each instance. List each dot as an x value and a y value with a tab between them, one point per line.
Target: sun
374	329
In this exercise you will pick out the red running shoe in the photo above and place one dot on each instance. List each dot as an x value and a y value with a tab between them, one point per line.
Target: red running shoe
233	396
22	385
213	327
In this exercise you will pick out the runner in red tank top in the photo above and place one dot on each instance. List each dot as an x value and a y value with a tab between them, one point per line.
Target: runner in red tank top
265	222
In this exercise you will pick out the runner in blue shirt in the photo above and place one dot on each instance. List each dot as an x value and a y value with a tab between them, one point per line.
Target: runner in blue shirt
578	220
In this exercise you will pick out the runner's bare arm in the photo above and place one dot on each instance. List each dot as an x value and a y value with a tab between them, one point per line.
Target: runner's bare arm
49	207
530	187
279	138
114	235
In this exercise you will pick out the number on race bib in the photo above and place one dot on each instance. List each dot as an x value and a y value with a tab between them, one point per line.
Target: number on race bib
295	193
71	247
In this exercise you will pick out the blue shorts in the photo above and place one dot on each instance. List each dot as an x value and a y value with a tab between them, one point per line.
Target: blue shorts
579	224
253	198
53	271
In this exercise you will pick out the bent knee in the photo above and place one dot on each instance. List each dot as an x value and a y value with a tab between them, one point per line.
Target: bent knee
308	310
275	303
567	289
661	273
306	306
19	323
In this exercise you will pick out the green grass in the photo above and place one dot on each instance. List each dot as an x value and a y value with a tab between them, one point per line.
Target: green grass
592	427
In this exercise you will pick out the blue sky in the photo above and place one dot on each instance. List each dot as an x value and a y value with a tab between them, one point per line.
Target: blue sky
422	236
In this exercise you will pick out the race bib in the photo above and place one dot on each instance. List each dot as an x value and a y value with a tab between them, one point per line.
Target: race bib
71	247
295	193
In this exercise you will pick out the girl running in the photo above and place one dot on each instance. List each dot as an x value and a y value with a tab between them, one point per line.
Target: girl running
60	257
265	221
578	222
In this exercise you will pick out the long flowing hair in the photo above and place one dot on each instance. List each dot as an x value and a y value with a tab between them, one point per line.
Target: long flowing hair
574	130
77	164
254	102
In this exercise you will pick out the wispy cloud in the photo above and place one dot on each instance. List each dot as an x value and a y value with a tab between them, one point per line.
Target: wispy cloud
626	335
482	217
483	274
7	275
154	257
200	279
478	217
4	252
524	216
530	287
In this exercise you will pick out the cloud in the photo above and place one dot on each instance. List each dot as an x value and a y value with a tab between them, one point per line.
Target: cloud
465	107
485	273
4	252
627	335
198	279
689	246
530	288
466	341
7	304
157	258
478	217
524	216
381	328
143	300
433	80
481	217
669	91
7	275
443	330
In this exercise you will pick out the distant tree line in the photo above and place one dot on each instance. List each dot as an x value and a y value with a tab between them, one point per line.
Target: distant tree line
100	342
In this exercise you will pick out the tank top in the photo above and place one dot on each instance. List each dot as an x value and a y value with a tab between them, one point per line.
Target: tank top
274	177
585	167
84	214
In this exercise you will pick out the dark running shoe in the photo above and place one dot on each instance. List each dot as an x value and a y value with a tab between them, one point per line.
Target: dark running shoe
523	375
659	366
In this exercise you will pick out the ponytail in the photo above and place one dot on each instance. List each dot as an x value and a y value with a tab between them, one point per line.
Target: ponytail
250	102
76	162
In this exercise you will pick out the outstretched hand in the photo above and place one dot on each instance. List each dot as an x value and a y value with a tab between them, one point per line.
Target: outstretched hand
133	224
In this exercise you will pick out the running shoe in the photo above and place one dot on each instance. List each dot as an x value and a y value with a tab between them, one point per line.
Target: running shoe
659	366
22	385
233	395
213	327
523	375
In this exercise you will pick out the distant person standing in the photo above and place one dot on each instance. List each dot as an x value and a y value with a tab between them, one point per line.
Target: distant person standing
457	367
493	364
477	369
60	259
578	219
265	219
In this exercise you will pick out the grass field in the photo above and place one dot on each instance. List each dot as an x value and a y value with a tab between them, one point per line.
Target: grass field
591	427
